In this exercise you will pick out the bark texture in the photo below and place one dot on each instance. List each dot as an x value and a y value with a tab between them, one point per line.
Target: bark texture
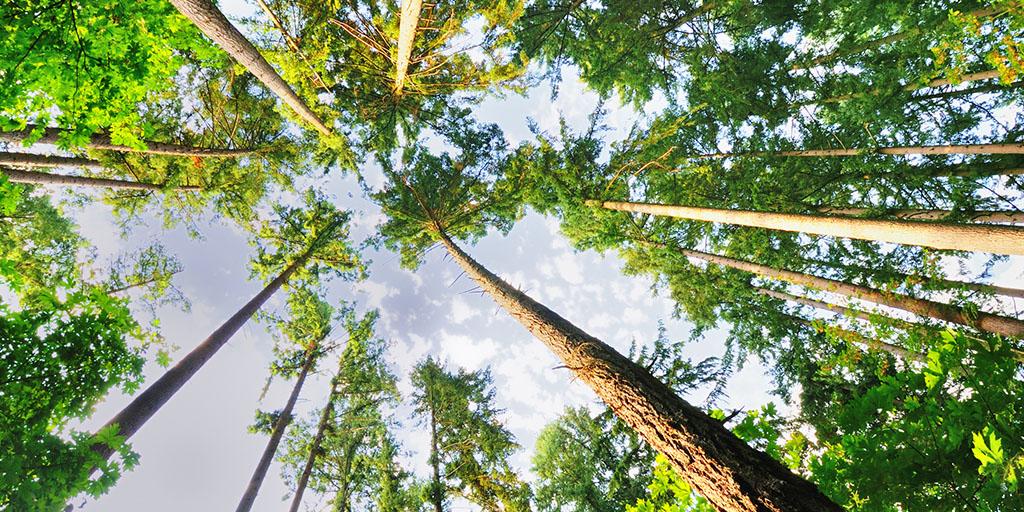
42	178
275	439
102	142
997	239
32	160
410	19
147	403
989	322
216	26
999	216
722	468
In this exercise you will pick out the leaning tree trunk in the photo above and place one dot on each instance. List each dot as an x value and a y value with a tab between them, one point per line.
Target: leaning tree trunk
42	178
845	334
996	239
275	438
314	449
147	403
408	21
980	320
722	468
999	216
216	26
33	160
1009	148
938	82
103	142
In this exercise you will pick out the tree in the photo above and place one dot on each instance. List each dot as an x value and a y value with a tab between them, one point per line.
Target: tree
307	328
33	134
42	178
469	448
300	244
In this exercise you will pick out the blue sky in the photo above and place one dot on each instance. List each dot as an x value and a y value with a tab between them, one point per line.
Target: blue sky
196	453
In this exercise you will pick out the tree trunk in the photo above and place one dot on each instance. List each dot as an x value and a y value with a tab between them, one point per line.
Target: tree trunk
1011	148
293	45
314	449
996	239
1004	216
33	160
147	403
42	178
989	322
102	142
845	334
343	499
216	26
722	468
436	496
882	41
932	281
409	20
938	82
275	438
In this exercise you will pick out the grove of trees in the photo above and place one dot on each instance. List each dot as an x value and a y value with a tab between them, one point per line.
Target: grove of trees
824	188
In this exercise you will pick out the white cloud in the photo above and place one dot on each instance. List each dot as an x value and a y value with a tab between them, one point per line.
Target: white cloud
466	352
376	291
462	311
569	268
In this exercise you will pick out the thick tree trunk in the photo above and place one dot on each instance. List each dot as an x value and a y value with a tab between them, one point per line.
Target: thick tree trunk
1011	148
216	26
996	239
846	334
102	142
882	41
147	403
314	450
32	160
409	20
722	468
42	178
275	438
1003	216
989	322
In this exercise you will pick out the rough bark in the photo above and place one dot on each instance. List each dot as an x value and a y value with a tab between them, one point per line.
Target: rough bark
130	419
1012	148
216	26
42	178
314	450
1003	216
722	468
102	142
32	160
989	322
409	20
275	438
997	239
846	334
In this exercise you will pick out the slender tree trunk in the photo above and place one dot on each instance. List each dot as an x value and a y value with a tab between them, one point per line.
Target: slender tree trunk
275	438
998	86
938	82
996	239
1012	148
845	334
216	26
989	322
42	178
1004	216
343	499
33	160
882	41
722	468
293	45
409	20
102	142
314	449
147	403
931	281
436	497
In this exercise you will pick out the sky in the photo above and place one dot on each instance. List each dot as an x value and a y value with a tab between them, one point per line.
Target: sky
196	452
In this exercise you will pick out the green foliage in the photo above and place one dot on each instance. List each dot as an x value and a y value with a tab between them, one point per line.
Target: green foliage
59	361
469	448
87	65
